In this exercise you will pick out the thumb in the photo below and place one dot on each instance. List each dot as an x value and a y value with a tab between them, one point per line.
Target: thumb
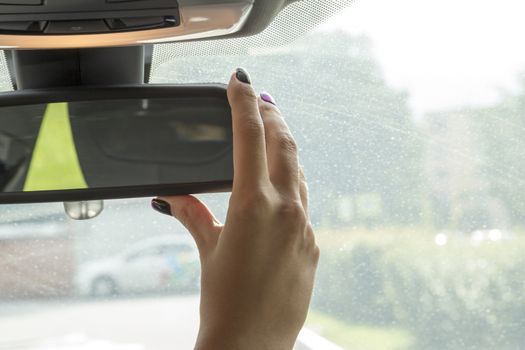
195	216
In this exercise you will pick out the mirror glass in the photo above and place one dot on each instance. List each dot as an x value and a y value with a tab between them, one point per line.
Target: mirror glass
119	143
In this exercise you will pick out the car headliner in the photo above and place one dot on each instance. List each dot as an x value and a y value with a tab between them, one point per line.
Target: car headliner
294	21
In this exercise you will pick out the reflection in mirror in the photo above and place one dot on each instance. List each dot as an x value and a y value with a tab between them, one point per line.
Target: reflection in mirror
114	143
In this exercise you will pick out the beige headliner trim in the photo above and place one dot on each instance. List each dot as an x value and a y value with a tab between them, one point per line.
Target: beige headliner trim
196	22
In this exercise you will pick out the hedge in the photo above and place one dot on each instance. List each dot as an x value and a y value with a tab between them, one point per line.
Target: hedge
458	296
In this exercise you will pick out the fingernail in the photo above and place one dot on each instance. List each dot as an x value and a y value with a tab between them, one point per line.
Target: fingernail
161	206
243	76
268	98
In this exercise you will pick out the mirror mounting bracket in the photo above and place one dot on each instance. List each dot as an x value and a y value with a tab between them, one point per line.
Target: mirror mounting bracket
41	69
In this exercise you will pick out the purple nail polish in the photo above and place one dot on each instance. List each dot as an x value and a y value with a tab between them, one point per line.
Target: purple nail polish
268	98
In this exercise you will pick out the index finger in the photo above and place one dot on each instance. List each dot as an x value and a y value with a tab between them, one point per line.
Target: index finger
249	147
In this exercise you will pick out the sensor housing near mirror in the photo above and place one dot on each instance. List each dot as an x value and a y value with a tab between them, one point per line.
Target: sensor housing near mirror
84	210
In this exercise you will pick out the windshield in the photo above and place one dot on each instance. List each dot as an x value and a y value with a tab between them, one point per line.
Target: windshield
408	116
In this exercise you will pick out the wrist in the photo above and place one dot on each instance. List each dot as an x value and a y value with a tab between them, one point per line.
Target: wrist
229	340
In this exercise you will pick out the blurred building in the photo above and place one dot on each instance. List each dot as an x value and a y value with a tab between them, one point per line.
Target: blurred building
454	163
36	254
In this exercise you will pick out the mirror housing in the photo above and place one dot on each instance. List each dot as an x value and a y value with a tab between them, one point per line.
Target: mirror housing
118	142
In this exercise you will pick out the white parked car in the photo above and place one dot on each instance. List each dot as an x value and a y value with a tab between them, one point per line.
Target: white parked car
153	265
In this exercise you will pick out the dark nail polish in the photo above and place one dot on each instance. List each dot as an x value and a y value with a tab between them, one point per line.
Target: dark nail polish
268	98
243	76
161	206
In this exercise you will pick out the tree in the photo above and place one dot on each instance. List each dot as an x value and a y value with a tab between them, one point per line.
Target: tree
355	133
502	128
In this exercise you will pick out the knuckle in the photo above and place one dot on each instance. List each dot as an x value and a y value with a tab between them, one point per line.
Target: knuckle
271	124
242	94
291	211
303	181
310	231
310	236
251	203
252	127
316	254
302	175
269	109
258	198
183	215
287	142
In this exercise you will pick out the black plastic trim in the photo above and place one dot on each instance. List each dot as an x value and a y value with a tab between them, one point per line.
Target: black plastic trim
114	193
87	93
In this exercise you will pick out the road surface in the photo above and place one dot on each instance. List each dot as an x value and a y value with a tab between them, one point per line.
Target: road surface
145	323
153	323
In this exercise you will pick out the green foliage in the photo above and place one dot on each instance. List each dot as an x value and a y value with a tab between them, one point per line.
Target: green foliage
502	131
458	296
356	337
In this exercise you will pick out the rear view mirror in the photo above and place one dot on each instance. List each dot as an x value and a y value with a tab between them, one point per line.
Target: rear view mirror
91	143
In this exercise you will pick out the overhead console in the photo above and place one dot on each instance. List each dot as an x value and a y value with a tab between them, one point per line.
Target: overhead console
48	24
85	16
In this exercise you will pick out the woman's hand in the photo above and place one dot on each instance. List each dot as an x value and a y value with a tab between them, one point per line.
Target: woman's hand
258	268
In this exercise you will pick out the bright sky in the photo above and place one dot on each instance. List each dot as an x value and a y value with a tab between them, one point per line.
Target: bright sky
446	53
